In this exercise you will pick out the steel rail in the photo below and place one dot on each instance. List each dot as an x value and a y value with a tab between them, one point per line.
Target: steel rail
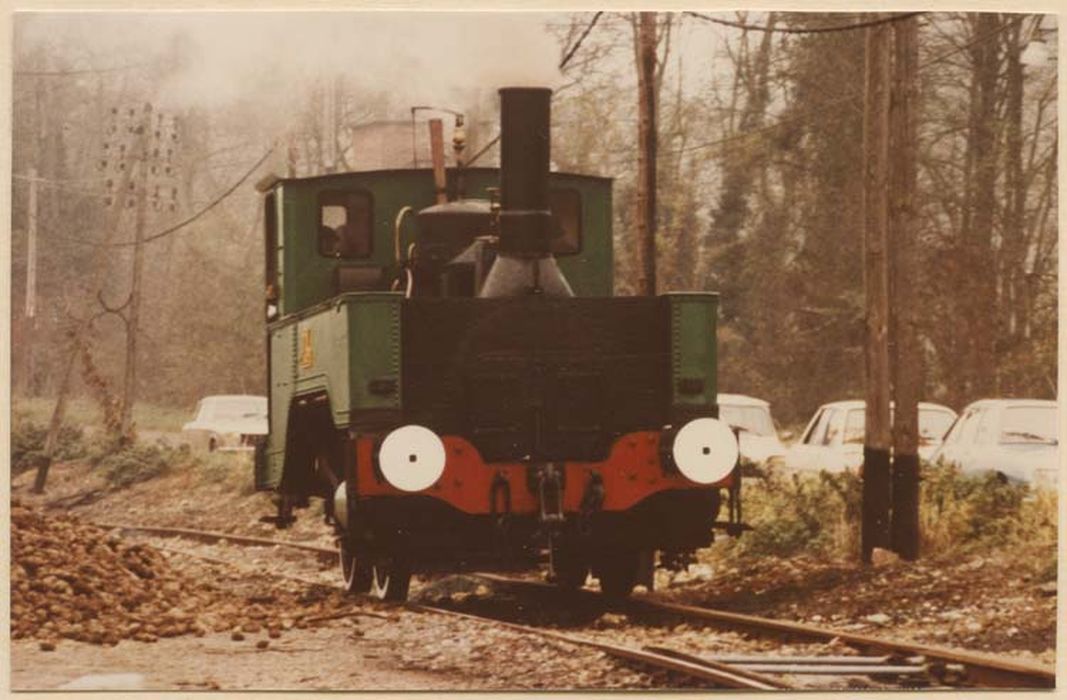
216	536
812	666
720	674
781	665
979	669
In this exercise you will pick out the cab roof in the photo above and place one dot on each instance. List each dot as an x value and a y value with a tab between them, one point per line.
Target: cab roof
271	180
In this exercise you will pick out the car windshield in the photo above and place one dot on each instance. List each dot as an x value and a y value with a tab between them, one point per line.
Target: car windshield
933	424
1029	424
754	419
854	426
253	407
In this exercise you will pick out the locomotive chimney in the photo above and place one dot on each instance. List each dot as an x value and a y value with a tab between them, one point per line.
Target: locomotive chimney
524	263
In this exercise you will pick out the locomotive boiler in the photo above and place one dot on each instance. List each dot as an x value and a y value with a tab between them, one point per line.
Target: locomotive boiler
450	373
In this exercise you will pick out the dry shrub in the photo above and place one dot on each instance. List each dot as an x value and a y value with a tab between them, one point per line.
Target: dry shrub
980	514
125	465
799	513
819	514
27	444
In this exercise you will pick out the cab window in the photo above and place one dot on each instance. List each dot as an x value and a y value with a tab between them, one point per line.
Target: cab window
566	208
346	224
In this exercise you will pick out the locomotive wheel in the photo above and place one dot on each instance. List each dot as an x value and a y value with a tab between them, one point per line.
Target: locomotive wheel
390	580
569	569
356	574
617	571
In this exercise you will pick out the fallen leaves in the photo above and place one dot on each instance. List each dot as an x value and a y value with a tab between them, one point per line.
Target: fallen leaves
72	580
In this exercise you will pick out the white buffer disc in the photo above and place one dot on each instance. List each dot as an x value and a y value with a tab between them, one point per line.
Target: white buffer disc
412	458
705	450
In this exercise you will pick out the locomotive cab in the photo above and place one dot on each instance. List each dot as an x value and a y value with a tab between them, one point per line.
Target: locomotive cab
457	383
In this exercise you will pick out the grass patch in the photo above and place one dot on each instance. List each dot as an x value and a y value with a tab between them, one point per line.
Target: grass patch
84	411
233	470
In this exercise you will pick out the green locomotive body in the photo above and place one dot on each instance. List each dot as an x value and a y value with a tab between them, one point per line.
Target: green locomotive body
460	399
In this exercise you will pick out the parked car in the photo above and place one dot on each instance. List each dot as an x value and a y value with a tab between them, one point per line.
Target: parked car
833	440
1017	438
228	422
758	438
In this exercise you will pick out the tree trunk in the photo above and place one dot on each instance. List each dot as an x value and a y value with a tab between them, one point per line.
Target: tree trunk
58	412
876	479
980	270
1013	250
646	156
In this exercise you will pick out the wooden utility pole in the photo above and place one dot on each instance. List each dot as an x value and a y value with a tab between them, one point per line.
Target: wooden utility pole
329	119
129	388
646	153
903	223
30	313
876	477
58	413
437	157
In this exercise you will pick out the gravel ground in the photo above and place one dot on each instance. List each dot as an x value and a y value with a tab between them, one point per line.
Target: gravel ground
991	603
589	620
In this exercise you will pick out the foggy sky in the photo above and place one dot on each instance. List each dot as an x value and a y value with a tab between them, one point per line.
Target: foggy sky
269	56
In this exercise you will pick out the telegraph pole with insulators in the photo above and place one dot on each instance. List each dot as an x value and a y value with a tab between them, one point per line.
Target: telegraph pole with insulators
140	151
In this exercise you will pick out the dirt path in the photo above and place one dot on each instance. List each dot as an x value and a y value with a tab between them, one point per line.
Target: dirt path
314	659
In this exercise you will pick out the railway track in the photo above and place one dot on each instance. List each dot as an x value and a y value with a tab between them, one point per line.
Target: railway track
899	662
946	665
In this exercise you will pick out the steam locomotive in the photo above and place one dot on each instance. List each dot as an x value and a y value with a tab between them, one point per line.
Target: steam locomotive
450	373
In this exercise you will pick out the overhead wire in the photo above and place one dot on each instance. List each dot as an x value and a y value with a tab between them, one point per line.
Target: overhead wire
808	30
577	44
182	224
82	71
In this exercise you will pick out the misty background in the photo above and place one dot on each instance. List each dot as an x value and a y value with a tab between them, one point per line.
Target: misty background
759	179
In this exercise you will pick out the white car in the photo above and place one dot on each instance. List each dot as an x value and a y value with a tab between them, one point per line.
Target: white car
1014	437
228	422
758	439
833	440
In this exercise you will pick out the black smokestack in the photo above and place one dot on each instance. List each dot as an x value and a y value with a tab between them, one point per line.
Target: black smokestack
525	148
524	262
